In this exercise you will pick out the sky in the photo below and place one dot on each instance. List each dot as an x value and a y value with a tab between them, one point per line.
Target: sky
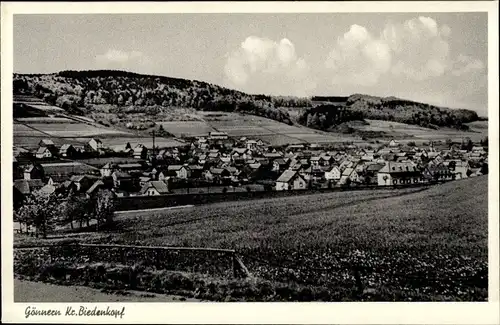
437	58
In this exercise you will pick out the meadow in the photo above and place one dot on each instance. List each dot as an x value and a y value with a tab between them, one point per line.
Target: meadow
408	244
478	130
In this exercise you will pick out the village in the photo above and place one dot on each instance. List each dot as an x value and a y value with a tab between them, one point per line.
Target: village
217	163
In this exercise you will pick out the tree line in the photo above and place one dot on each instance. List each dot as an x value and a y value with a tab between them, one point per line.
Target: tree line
125	92
45	212
359	107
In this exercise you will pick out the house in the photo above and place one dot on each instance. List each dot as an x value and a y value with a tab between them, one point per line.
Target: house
94	188
46	143
333	174
162	174
43	153
241	153
67	150
180	171
143	180
217	135
34	171
251	144
195	171
438	173
349	175
316	160
458	167
140	152
56	179
94	145
123	181
57	170
393	143
272	155
83	182
394	173
28	186
279	165
130	167
155	188
107	169
290	180
371	172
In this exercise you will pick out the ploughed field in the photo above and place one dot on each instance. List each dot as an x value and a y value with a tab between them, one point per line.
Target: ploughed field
406	244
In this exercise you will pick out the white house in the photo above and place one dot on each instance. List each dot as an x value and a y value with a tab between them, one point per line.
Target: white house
94	145
107	170
179	170
393	143
394	173
334	174
43	152
290	180
349	174
155	188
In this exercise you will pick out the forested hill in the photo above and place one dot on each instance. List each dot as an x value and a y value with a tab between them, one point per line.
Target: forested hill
358	107
79	91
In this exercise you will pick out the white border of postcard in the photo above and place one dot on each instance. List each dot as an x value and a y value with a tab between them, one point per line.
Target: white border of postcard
252	313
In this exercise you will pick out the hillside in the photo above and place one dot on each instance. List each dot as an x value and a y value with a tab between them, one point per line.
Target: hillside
334	111
118	97
121	93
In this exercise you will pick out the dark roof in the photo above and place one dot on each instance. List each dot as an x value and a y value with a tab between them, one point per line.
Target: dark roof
119	174
68	168
374	167
160	186
398	167
175	167
26	186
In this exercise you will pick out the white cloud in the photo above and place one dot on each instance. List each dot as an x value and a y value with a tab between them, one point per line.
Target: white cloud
358	58
121	59
261	65
416	49
420	48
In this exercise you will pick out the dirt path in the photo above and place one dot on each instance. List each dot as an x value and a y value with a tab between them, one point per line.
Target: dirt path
28	291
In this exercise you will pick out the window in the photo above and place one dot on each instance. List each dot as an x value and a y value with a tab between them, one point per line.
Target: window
394	181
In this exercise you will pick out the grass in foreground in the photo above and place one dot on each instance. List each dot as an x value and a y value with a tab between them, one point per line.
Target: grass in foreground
407	244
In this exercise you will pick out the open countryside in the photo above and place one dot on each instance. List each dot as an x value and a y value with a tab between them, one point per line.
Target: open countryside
348	167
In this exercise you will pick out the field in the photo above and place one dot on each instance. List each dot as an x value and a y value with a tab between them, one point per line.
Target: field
435	250
416	133
189	128
70	130
273	132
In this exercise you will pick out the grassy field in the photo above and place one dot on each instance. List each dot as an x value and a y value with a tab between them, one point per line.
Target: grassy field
411	244
189	128
479	130
270	131
72	129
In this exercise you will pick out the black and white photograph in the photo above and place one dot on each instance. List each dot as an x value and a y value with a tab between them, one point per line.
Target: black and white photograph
250	157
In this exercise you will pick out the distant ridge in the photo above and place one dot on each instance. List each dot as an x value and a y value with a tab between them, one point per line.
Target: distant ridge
85	89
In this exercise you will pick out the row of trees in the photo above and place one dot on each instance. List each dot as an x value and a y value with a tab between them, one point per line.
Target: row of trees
45	212
324	117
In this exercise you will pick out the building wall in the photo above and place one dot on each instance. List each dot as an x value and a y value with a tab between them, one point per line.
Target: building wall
381	181
299	184
282	186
